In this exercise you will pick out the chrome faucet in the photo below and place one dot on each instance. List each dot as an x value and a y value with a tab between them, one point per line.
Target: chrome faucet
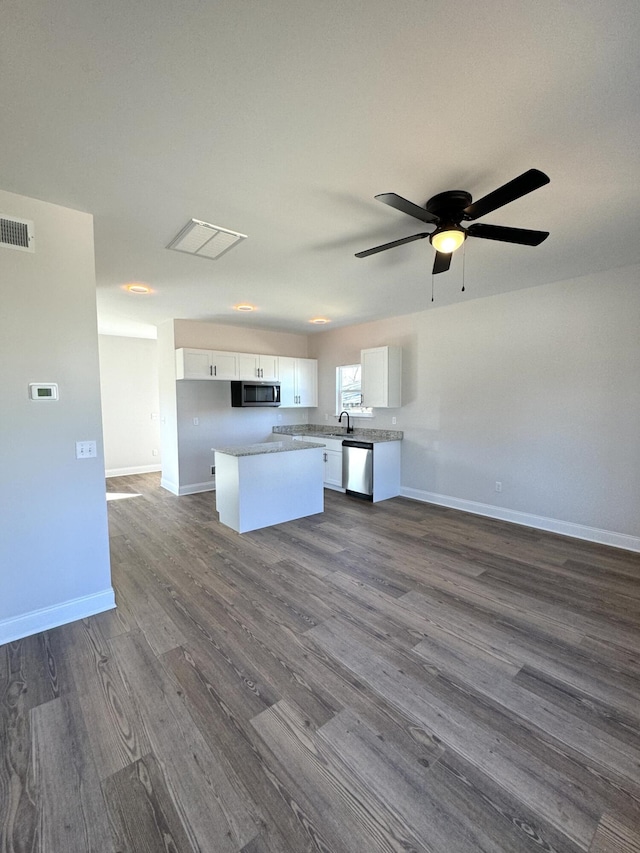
349	427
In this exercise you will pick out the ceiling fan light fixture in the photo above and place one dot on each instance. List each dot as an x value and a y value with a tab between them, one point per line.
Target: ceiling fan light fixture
447	239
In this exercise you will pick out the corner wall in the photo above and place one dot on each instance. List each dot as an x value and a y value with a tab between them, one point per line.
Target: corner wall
538	389
54	549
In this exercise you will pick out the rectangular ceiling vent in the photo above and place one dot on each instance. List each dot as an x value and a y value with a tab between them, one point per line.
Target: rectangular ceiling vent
205	240
17	234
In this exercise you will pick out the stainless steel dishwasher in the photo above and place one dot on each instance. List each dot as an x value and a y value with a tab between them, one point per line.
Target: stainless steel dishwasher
357	468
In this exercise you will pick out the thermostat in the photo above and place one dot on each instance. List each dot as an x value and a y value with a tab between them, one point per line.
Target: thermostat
43	390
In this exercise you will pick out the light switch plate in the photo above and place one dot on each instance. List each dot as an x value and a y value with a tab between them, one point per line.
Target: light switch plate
86	449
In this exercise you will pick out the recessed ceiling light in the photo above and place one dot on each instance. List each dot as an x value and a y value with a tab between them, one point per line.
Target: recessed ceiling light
138	288
319	321
244	306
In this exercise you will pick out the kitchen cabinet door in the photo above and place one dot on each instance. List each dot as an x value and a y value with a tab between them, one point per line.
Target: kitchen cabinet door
206	364
193	364
268	367
224	365
262	368
298	382
333	468
307	381
287	374
248	366
381	377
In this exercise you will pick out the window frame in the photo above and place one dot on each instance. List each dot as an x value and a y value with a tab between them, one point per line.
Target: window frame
354	412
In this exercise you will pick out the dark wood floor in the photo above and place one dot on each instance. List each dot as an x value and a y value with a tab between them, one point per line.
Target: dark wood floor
390	677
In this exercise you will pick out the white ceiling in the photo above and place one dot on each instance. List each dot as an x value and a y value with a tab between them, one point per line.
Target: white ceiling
282	119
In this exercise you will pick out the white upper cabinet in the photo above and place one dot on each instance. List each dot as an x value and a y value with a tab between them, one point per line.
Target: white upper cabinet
206	364
382	377
307	381
298	382
224	365
298	376
193	364
259	367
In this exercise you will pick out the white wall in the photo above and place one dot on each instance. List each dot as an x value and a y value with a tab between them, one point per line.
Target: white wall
130	404
54	552
168	407
538	389
186	447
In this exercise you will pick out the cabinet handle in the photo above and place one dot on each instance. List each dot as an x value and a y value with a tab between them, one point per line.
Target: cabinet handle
210	370
215	370
324	456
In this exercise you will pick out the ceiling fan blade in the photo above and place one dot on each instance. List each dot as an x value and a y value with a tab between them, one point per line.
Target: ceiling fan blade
441	262
405	206
525	183
386	246
524	236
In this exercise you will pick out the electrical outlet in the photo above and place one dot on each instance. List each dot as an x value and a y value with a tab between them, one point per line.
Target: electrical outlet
394	421
154	452
498	486
326	416
85	449
154	416
196	421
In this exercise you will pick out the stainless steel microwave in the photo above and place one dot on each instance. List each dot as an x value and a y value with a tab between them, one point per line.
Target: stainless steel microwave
255	393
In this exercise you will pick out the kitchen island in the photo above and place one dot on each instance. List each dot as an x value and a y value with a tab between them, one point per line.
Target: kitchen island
258	485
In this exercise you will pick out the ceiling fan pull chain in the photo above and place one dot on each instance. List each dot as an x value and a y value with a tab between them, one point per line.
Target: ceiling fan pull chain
432	277
464	255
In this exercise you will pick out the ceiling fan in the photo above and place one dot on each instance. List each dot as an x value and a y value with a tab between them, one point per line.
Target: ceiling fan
447	210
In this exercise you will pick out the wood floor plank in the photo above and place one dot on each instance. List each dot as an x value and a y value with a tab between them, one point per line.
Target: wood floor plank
599	747
565	656
429	802
620	725
220	712
142	813
520	773
71	808
244	643
352	819
210	804
117	734
159	629
613	836
402	785
19	816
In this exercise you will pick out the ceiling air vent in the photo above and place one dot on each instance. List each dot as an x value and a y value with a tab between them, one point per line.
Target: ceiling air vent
206	241
17	234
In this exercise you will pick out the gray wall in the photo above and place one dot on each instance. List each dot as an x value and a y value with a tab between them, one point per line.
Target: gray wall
538	389
130	404
54	556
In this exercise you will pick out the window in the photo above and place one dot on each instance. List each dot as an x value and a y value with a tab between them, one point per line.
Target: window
349	391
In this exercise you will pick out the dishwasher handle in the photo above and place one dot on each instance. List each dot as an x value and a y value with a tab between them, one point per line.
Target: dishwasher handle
365	445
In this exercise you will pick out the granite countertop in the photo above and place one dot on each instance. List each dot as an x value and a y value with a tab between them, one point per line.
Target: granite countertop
267	447
324	431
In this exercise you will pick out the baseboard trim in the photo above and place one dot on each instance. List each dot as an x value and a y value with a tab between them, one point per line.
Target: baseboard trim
136	469
552	525
52	617
194	488
169	485
191	489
